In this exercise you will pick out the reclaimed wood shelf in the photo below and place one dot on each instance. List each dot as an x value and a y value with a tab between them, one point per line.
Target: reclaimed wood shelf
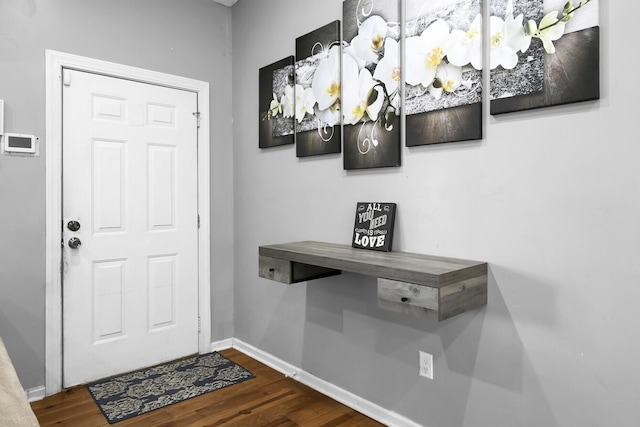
407	282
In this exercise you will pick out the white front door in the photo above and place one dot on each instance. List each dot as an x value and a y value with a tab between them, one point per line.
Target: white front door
130	289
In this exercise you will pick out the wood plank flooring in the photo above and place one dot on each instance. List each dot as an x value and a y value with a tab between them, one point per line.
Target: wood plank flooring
268	400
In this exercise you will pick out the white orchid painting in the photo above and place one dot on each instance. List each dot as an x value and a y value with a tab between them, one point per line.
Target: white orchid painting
348	95
443	72
276	104
543	53
371	83
316	92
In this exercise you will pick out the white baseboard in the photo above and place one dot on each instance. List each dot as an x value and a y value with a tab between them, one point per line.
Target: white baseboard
35	394
345	397
222	345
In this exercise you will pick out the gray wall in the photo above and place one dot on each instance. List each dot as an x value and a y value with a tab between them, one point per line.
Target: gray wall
190	39
550	198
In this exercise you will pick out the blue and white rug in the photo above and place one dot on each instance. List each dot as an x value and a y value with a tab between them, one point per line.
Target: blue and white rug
134	393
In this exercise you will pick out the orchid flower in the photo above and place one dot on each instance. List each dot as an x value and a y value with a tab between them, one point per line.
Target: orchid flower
351	51
304	102
551	29
358	92
287	102
425	53
368	45
329	116
448	79
326	80
466	46
275	107
507	39
388	69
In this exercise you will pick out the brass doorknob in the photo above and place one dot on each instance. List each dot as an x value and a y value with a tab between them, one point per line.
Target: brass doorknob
74	243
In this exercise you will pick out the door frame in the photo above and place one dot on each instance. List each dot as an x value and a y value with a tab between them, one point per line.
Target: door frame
55	63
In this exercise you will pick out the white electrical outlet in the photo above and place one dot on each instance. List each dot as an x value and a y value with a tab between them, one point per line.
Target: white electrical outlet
426	365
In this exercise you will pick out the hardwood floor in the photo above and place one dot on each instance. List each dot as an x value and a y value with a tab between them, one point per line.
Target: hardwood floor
268	400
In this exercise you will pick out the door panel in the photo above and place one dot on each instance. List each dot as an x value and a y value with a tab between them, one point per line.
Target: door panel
130	290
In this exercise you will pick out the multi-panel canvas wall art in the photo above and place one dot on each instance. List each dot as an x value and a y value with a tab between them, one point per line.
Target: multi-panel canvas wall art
419	74
543	53
443	71
371	83
317	91
275	95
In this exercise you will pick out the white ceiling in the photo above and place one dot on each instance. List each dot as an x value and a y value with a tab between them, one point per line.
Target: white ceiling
226	2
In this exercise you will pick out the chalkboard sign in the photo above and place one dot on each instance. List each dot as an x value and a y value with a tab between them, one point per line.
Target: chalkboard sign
374	226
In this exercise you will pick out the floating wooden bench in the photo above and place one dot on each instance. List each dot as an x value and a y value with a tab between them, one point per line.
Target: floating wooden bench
407	282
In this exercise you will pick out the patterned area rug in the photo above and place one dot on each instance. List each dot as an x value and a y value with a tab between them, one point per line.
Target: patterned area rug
125	396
